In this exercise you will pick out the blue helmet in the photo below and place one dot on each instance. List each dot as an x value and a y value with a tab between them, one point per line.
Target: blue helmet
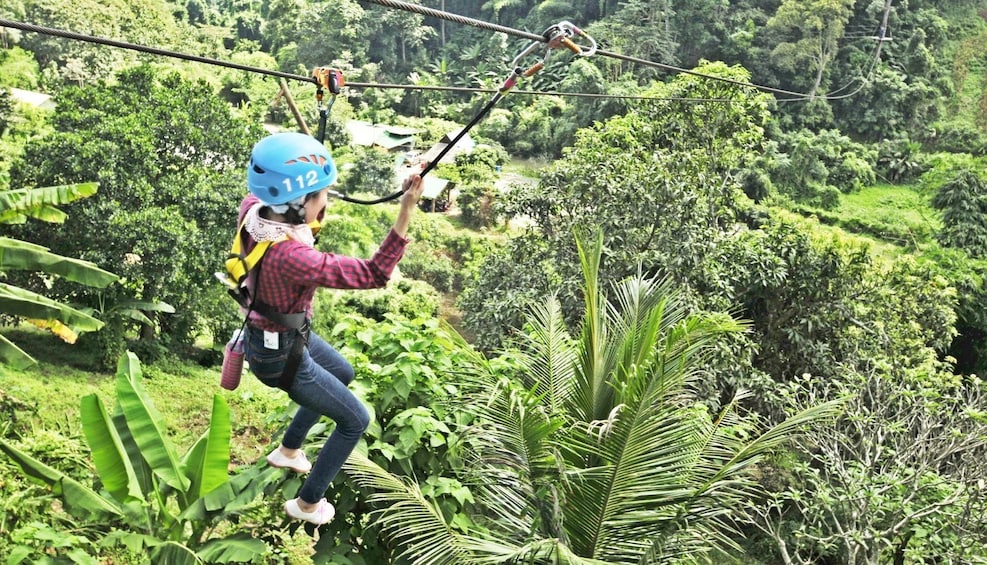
286	166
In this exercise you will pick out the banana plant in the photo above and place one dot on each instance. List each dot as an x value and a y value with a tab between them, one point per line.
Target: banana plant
150	497
61	319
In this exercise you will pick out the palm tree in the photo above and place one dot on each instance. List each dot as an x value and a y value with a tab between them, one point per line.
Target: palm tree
596	451
63	320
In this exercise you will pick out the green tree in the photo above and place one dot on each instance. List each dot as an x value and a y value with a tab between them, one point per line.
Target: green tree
662	182
372	172
815	168
396	36
18	69
812	30
592	450
146	22
167	154
331	31
6	109
897	479
643	29
963	202
60	318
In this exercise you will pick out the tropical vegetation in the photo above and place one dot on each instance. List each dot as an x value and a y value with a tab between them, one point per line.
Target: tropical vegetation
719	299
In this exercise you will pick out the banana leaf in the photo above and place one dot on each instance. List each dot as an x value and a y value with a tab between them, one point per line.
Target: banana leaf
16	205
108	452
80	501
14	356
207	463
174	553
238	548
19	302
144	422
24	256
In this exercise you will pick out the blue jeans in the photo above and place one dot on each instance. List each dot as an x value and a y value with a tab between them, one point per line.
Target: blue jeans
320	389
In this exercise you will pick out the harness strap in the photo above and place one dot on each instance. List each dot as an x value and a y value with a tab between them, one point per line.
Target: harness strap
238	267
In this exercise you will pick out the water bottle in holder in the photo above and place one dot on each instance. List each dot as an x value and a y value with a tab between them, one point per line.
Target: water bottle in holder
232	362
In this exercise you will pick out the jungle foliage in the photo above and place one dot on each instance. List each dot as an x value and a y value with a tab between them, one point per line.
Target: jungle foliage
725	306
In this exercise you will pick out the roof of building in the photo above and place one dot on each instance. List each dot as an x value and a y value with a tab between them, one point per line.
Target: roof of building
383	135
37	99
464	145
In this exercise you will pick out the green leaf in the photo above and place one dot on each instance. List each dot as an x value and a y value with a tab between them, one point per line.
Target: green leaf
14	356
108	452
39	202
410	518
24	256
209	460
80	500
19	302
238	548
18	554
144	422
174	553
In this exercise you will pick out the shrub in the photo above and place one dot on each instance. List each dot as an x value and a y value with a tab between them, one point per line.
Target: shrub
406	297
813	161
372	172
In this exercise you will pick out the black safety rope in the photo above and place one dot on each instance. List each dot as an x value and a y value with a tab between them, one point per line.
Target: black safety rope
555	37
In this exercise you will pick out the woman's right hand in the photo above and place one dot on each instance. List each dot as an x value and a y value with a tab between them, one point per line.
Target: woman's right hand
412	188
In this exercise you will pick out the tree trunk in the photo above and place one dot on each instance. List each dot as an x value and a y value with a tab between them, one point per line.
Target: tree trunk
899	552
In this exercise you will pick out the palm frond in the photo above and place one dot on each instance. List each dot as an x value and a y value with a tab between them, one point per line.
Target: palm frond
653	440
753	451
548	353
540	551
411	521
513	435
592	397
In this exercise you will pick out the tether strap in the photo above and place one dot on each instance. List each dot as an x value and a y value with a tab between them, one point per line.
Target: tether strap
296	321
294	358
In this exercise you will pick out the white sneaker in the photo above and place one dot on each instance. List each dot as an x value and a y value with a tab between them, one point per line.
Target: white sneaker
323	512
299	463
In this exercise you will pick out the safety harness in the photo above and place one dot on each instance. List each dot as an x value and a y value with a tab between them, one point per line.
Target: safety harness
240	266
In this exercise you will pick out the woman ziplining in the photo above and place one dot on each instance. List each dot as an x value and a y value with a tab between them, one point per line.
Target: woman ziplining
289	177
273	270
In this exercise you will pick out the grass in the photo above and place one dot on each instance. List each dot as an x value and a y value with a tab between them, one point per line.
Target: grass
899	214
893	217
531	167
47	396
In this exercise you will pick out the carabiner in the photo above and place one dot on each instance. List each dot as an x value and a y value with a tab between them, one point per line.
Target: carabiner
568	30
555	37
515	64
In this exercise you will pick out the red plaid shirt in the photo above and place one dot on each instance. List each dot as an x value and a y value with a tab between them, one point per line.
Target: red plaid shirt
291	272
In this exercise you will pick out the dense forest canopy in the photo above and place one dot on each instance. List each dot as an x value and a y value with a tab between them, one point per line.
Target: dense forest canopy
793	231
